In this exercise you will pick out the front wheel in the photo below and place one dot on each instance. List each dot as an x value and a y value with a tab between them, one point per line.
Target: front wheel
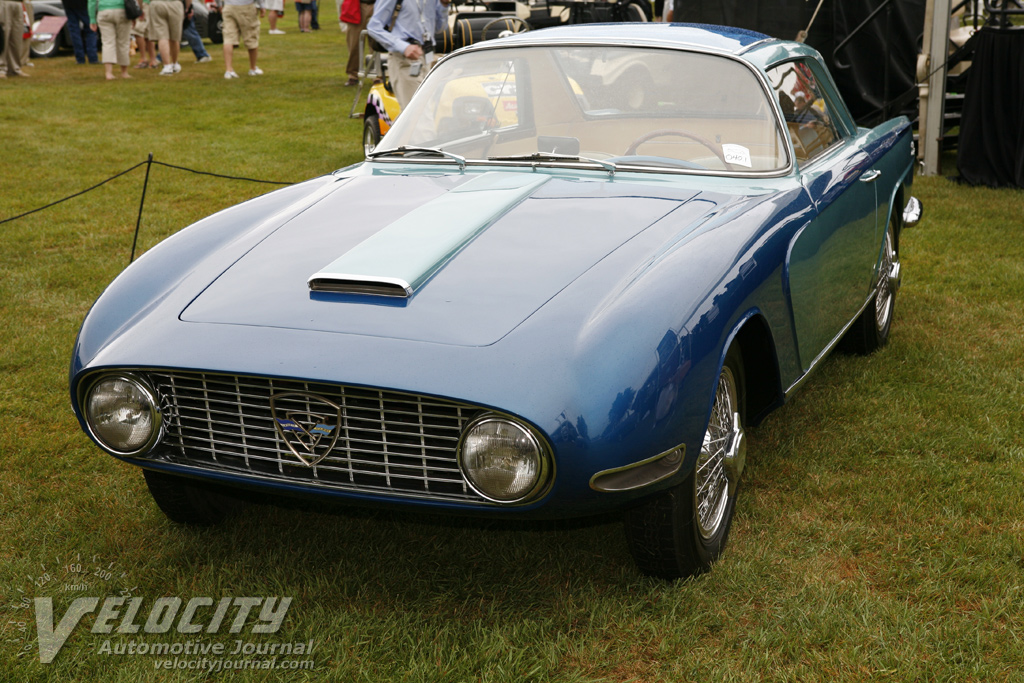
371	133
188	501
682	531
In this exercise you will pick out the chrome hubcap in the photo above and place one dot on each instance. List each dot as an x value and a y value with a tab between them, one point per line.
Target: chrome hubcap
721	458
888	282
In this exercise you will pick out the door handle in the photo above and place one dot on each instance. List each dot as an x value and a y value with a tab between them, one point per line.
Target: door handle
870	176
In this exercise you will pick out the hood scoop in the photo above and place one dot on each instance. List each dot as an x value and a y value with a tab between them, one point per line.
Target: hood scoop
397	260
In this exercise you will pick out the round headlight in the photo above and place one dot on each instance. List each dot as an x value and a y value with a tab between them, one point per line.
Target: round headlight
502	460
123	414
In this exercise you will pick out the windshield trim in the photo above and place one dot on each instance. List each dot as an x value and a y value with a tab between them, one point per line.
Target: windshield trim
762	79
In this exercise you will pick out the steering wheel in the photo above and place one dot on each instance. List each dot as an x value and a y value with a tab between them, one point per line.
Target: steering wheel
513	24
677	133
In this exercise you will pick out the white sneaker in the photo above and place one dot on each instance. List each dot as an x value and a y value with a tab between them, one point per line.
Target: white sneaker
168	70
276	32
230	74
204	60
176	67
256	71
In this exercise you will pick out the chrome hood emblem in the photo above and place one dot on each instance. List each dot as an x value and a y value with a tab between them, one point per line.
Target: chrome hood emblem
308	424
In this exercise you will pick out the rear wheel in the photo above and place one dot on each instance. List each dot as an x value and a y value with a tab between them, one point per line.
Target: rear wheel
682	531
870	331
188	501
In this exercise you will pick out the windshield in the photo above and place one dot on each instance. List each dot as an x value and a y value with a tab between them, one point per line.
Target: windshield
628	107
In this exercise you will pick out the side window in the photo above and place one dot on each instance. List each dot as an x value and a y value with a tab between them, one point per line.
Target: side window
807	113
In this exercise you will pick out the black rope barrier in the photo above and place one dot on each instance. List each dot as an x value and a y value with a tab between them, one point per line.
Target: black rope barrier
148	163
77	194
218	175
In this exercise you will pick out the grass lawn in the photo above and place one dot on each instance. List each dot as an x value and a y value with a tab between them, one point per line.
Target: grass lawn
879	535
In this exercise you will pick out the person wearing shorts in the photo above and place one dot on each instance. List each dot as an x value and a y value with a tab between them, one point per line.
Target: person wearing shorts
275	10
165	19
146	47
305	12
241	27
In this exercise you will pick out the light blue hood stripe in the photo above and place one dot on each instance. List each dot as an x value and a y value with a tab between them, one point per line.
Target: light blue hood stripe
397	260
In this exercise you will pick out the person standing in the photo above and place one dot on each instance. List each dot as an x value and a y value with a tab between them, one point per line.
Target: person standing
166	18
116	32
83	38
190	34
275	10
406	28
355	14
241	26
305	12
13	21
26	37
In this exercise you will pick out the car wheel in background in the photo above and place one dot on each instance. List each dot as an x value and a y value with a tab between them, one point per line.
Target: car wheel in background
188	501
371	133
870	331
215	28
682	531
48	46
637	11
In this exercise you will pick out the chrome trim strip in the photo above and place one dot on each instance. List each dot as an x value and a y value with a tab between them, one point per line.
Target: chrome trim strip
346	283
640	474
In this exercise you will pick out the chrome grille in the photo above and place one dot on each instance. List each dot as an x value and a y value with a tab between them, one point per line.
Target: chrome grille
388	442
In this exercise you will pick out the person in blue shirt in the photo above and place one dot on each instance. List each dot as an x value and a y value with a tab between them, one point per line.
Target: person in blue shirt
409	40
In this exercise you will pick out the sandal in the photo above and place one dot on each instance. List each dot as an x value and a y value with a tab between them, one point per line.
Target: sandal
143	65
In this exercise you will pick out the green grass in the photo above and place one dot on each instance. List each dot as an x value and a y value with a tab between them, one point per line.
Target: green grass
878	537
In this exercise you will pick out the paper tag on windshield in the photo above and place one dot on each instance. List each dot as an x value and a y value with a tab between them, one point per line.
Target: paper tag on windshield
737	154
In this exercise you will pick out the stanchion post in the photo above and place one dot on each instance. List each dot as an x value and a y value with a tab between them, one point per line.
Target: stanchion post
142	202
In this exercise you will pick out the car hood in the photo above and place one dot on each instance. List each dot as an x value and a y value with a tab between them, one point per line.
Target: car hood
486	250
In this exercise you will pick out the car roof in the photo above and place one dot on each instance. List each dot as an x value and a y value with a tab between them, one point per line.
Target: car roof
757	48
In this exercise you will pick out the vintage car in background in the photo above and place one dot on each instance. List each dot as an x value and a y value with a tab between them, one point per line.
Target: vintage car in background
572	273
206	14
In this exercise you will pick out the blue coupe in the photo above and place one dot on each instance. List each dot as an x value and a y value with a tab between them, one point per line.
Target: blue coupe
580	263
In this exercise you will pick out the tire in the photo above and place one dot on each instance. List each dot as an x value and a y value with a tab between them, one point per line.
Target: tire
215	27
683	531
45	48
635	11
870	331
188	501
371	133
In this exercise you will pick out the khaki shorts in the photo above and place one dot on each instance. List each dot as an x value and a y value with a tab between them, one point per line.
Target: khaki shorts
165	20
242	22
139	27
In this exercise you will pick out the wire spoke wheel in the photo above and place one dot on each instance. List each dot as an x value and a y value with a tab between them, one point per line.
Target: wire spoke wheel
682	531
711	484
885	294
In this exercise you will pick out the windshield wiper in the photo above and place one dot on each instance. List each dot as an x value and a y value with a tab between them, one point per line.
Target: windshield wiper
425	150
549	156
